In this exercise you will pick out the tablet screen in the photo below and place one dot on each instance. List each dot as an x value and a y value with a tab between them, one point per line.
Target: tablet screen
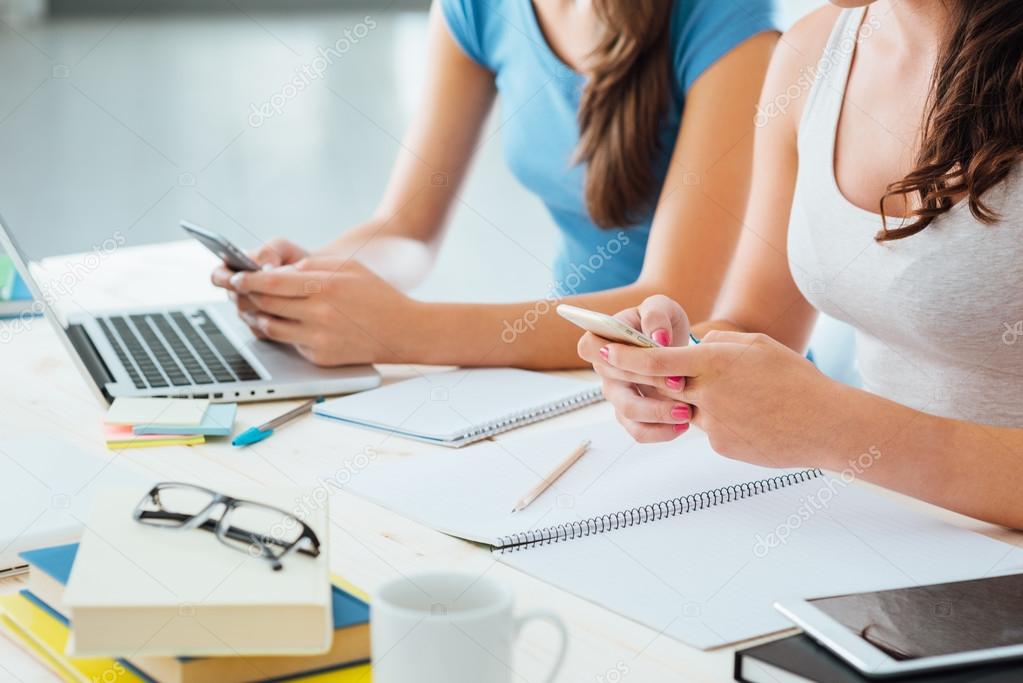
927	621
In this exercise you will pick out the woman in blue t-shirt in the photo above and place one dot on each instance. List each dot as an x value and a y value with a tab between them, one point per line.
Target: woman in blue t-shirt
592	94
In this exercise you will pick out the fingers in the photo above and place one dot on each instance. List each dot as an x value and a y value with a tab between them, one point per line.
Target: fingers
281	282
591	348
647	419
634	406
685	361
278	252
277	329
630	316
270	254
221	277
664	321
278	306
651	433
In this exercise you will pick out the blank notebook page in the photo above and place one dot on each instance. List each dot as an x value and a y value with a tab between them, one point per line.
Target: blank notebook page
470	492
707	577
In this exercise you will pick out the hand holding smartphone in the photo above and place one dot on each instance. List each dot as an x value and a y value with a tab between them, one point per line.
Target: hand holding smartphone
609	328
233	257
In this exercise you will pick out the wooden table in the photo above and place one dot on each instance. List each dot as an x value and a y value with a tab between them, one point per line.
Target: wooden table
43	393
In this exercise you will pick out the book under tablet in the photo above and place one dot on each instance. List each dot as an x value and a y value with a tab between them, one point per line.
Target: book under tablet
459	407
692	544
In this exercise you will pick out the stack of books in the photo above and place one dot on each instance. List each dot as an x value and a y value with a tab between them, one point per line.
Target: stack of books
148	422
36	619
134	602
15	299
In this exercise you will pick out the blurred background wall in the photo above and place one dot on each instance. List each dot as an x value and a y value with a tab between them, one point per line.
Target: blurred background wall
120	116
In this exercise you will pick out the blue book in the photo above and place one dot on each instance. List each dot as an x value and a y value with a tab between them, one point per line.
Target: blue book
19	290
51	567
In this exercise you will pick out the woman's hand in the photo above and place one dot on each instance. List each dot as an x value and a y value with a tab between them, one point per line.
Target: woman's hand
333	310
277	252
646	413
756	399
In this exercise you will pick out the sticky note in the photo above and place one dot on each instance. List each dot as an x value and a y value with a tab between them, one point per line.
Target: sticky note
157	411
218	421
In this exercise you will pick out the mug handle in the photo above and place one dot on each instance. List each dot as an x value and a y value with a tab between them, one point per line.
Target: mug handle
555	621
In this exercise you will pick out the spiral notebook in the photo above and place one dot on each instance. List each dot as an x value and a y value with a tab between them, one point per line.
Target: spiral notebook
674	536
459	407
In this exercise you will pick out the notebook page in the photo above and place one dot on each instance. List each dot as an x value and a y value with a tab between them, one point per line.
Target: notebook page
470	493
710	577
443	406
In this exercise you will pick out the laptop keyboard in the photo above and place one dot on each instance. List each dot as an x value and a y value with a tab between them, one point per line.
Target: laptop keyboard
161	350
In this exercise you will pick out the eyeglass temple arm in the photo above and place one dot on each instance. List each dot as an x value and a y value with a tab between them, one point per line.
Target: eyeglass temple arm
233	532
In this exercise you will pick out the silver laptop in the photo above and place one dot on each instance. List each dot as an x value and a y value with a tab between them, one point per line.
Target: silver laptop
201	351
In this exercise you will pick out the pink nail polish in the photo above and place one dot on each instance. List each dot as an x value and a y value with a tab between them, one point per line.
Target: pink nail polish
674	383
681	428
661	337
604	352
680	412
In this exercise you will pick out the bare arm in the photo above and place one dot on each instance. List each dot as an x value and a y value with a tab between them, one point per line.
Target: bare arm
435	153
354	315
695	229
760	401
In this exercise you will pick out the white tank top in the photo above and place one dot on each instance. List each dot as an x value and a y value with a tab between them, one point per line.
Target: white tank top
938	315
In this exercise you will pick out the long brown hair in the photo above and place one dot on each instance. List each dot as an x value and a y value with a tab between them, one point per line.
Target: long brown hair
623	104
973	127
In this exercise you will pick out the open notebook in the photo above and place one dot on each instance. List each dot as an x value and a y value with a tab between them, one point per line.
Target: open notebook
459	407
692	544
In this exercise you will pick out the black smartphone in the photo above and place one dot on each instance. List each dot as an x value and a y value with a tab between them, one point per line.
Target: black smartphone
235	258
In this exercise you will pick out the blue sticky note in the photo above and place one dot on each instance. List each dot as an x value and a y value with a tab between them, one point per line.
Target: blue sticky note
218	421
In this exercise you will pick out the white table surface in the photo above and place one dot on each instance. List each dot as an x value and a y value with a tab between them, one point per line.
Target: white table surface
43	393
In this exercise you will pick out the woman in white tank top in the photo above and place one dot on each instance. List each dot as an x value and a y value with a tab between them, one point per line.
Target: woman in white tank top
888	194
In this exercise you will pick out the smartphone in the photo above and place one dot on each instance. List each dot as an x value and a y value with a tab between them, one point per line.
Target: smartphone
235	258
605	326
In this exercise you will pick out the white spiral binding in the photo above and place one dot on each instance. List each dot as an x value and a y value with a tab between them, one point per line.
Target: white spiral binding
532	415
650	513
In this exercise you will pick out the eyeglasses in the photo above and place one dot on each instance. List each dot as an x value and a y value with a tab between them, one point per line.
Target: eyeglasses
253	528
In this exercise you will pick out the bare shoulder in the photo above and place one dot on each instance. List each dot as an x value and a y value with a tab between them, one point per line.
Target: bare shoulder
794	62
808	36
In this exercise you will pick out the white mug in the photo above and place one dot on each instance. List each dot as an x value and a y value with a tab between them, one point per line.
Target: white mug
448	627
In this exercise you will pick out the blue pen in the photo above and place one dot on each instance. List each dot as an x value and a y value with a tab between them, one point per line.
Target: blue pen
256	434
693	339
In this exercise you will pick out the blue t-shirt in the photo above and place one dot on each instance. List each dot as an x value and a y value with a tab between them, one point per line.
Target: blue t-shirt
540	94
